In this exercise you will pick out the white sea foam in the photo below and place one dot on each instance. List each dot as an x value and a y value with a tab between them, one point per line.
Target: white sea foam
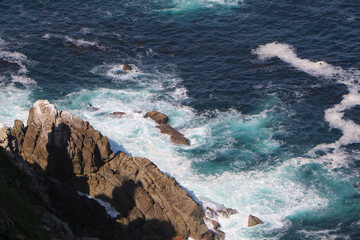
271	195
326	234
287	54
179	6
23	80
110	210
83	43
334	115
15	57
16	100
16	105
77	42
47	35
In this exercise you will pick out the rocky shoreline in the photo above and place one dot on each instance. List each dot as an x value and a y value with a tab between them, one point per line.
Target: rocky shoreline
58	154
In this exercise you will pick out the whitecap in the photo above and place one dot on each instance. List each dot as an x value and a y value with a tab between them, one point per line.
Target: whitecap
334	115
26	81
110	210
83	43
15	57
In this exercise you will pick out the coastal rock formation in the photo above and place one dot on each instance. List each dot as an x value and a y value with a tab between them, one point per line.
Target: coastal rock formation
175	136
254	221
61	143
69	155
162	119
158	117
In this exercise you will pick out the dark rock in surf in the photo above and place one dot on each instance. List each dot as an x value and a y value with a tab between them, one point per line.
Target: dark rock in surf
158	117
175	136
254	221
127	67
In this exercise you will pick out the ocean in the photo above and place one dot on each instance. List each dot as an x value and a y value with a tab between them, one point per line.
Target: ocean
266	91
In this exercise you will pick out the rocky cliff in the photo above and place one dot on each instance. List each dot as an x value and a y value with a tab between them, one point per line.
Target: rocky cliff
59	154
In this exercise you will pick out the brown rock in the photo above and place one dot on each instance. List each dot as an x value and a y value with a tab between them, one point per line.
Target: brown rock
60	142
207	236
158	117
65	147
219	235
254	221
117	114
127	67
227	212
176	136
151	195
179	237
215	224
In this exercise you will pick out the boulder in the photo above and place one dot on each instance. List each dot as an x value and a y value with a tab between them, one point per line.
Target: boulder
254	221
158	117
127	67
175	136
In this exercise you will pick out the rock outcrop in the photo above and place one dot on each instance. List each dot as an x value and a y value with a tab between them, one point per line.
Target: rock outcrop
71	156
211	217
162	119
61	143
175	136
252	221
158	117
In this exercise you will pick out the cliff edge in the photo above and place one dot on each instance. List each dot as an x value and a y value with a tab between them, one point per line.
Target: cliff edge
60	155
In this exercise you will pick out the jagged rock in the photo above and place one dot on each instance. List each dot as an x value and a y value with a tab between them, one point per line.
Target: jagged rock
254	221
117	114
62	143
219	235
215	224
226	212
150	202
62	213
158	117
176	136
143	190
127	67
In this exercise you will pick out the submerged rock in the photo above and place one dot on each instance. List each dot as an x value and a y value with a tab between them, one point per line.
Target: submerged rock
127	67
117	114
158	117
176	136
254	221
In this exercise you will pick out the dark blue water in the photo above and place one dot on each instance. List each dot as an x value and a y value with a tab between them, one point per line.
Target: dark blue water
273	131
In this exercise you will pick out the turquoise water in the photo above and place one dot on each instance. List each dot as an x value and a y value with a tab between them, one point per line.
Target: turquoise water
267	93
